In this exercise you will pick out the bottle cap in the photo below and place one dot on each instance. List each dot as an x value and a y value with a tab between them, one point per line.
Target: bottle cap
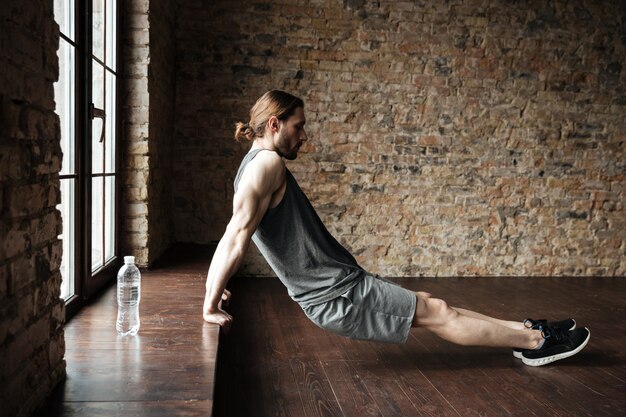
129	260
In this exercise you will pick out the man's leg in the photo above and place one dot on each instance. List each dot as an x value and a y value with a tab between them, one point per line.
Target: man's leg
465	327
517	325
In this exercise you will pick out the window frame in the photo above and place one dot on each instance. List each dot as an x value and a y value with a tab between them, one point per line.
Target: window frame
86	284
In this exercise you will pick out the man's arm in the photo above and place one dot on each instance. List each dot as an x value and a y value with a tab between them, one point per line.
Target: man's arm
263	176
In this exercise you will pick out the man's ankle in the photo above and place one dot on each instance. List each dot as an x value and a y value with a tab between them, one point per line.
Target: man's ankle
536	339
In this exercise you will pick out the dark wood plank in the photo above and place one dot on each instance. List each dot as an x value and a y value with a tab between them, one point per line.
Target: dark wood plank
403	363
253	361
571	397
167	369
318	397
137	376
350	389
430	377
385	389
274	362
130	409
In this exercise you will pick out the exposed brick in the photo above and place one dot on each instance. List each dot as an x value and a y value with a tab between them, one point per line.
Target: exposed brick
149	43
30	255
511	122
28	199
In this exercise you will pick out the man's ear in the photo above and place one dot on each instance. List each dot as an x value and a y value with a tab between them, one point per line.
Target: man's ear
273	123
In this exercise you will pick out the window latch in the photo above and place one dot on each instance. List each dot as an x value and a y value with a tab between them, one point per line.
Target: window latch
95	112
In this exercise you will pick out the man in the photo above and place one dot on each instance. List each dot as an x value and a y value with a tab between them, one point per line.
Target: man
323	277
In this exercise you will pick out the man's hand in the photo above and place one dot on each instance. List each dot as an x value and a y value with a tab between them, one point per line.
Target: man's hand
265	175
225	298
215	314
219	317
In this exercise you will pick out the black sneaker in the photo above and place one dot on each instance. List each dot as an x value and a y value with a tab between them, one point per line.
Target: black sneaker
569	324
558	344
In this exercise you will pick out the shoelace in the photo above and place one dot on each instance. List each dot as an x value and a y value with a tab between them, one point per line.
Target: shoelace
533	324
548	332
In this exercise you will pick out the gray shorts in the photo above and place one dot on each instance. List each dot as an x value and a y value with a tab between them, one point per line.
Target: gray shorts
375	309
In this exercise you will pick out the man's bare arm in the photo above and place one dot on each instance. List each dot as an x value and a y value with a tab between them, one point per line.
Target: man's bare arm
262	177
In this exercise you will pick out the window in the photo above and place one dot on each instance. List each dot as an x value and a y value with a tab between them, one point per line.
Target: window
65	97
86	97
103	111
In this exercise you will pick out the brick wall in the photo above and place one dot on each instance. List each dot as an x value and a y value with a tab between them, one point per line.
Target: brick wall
148	128
161	79
31	313
446	138
135	122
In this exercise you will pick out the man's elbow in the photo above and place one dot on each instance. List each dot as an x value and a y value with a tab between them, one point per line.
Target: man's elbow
239	237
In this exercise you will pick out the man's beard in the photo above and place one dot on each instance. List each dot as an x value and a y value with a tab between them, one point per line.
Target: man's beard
286	153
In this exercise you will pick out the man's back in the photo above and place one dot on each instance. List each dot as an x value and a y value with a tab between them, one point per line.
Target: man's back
304	255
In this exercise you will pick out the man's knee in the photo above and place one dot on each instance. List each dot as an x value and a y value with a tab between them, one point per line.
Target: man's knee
442	310
423	294
432	311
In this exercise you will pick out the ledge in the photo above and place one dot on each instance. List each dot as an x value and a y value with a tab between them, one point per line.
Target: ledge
168	368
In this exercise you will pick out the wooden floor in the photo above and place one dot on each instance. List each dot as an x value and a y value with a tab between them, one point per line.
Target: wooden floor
168	369
274	362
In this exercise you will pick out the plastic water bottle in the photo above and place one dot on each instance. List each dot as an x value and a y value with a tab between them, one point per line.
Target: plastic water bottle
128	297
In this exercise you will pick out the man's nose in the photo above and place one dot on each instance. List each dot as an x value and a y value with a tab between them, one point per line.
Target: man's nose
304	136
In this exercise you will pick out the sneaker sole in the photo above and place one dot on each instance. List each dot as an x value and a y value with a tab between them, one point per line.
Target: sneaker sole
518	353
550	359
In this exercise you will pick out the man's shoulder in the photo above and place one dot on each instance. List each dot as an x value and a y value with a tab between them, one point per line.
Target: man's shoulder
266	169
268	161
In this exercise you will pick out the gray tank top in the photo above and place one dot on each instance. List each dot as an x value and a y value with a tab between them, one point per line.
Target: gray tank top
308	260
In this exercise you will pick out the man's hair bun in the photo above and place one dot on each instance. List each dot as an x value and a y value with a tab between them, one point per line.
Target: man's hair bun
243	132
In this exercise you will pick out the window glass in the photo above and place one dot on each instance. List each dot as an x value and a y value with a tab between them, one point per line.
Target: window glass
109	222
97	123
65	107
111	30
98	29
64	93
97	216
109	134
67	236
99	83
64	16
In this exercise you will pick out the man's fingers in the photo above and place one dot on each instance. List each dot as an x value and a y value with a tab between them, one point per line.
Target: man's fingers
221	318
226	297
226	320
226	326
